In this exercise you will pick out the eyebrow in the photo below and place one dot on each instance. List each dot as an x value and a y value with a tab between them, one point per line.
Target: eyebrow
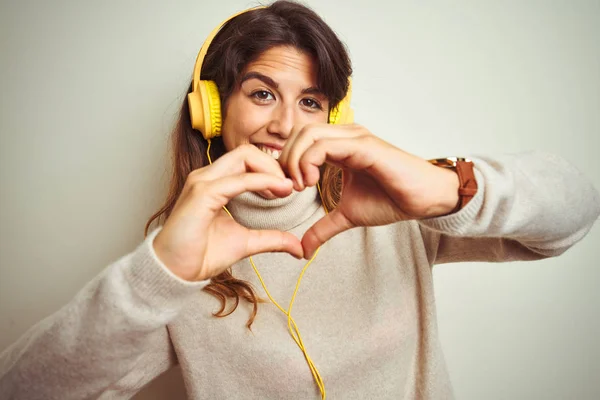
269	81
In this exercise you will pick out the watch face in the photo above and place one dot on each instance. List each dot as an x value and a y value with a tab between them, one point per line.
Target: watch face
448	162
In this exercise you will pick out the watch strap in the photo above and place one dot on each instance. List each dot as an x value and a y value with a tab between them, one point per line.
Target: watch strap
463	167
467	184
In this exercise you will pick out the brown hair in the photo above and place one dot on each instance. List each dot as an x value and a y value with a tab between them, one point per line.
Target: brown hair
239	42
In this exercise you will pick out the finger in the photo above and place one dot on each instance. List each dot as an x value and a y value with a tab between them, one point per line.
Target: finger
323	230
263	241
289	144
307	138
303	139
245	158
229	187
358	153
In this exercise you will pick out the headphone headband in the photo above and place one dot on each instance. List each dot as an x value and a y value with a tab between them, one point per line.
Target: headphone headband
208	41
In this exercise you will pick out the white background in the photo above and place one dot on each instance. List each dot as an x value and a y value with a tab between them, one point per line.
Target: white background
89	93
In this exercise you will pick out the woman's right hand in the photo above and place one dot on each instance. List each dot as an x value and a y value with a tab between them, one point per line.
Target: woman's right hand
199	240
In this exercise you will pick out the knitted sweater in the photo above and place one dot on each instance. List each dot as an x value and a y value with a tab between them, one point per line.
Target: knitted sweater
365	308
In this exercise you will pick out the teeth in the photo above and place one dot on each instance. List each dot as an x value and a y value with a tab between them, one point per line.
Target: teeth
273	153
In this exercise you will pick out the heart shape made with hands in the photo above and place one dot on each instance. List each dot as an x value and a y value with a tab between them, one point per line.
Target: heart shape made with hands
381	184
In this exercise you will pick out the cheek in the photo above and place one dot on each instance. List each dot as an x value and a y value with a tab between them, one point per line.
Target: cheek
316	117
243	120
322	117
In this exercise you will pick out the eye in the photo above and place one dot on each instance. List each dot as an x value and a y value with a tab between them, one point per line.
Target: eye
263	95
311	103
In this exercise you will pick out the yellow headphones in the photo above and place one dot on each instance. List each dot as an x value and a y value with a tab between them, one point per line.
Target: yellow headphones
205	103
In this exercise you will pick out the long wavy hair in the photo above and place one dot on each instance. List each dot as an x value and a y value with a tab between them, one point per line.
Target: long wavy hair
240	41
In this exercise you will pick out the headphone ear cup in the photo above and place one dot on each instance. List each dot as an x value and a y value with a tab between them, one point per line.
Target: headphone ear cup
348	116
205	109
196	112
334	115
342	113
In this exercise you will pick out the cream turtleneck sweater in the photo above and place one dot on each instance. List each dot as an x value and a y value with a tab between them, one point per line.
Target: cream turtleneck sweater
365	309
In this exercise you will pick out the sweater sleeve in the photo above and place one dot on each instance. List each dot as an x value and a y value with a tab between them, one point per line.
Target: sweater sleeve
97	340
528	206
158	357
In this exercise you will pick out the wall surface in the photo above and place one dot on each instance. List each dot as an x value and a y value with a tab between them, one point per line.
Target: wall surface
90	91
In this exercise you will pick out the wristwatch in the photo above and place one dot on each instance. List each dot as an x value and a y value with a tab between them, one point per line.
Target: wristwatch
466	177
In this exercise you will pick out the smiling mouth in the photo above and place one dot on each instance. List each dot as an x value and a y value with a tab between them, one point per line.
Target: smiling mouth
269	150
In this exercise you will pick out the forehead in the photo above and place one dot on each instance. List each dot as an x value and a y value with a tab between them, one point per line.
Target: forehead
285	65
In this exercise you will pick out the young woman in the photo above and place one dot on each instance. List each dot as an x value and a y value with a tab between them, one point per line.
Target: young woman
190	293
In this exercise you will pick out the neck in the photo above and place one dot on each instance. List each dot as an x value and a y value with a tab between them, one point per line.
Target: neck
255	212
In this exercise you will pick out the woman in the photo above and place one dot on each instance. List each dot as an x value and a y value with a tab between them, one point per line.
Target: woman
366	306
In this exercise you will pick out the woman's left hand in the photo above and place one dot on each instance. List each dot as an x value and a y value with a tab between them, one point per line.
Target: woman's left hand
381	183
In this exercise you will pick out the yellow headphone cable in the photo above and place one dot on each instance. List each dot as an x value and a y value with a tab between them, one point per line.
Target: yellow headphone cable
292	327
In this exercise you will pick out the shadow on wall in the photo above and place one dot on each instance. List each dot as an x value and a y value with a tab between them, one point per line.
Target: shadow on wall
167	386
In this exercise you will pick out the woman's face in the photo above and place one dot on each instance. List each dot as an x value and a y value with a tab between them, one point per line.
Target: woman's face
278	92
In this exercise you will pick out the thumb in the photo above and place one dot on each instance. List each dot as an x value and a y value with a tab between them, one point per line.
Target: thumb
324	229
264	241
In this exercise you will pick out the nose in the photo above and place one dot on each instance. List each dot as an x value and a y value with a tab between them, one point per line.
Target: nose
282	121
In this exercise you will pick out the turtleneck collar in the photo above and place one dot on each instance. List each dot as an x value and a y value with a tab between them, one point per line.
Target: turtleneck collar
256	212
